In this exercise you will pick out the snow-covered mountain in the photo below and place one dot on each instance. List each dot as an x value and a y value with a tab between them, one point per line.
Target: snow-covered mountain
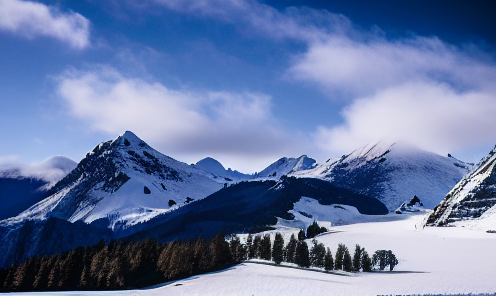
120	183
214	167
285	166
472	202
22	185
393	173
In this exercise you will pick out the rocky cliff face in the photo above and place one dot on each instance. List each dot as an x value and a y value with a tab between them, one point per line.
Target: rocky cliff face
473	200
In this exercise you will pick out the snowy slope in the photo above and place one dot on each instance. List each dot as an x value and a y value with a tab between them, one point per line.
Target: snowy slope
214	167
123	182
472	202
21	185
285	166
431	261
393	173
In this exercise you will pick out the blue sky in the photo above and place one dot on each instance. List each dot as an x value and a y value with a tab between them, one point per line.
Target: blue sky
246	82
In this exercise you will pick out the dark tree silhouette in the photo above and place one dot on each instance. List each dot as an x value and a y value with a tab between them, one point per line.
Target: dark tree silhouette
328	261
357	259
289	251
302	257
366	262
347	264
265	248
317	254
277	249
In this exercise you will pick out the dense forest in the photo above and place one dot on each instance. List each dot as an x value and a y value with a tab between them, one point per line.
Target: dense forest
134	264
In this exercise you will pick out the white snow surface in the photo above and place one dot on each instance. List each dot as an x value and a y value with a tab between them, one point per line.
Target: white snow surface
129	204
409	171
434	260
285	166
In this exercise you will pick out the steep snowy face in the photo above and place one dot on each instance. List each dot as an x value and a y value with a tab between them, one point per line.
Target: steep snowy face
472	202
393	173
123	182
214	167
285	166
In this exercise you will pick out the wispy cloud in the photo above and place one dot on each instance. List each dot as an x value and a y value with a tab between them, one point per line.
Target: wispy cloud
437	95
433	116
31	19
50	170
237	127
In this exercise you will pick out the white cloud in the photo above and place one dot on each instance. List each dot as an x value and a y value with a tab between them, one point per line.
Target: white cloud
31	19
433	116
304	24
237	128
50	170
434	94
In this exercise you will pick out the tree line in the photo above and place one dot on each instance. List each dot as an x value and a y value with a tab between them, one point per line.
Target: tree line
297	251
134	264
118	265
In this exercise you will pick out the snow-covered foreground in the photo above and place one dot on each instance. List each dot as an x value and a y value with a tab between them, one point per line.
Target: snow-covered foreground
432	260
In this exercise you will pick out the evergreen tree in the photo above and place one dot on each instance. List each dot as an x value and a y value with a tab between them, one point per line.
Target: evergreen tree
357	259
302	257
328	261
237	249
265	248
256	246
249	242
312	230
24	275
290	249
338	264
277	249
366	262
379	259
317	254
347	264
219	249
301	235
391	260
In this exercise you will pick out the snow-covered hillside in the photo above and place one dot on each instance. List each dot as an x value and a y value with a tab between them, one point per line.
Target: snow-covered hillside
393	173
22	185
123	182
432	261
472	202
285	166
214	167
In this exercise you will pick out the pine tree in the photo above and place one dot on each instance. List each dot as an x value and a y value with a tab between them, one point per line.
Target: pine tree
366	262
265	248
357	259
302	257
219	248
317	254
391	260
237	249
347	264
301	235
328	261
277	249
379	259
256	246
338	264
249	243
289	251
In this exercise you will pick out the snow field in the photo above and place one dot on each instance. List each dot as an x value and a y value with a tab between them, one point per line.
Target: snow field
445	260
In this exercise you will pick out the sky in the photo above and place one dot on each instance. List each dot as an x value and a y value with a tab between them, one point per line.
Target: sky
244	81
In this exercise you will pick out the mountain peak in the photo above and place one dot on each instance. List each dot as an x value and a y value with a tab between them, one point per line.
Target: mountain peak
128	138
209	164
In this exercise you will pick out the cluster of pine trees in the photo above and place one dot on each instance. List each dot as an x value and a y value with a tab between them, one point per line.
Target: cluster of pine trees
133	264
297	251
118	265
